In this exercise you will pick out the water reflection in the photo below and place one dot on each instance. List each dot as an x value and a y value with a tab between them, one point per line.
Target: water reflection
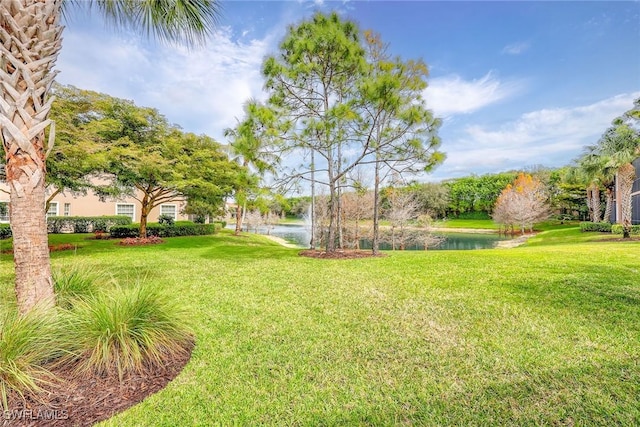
299	235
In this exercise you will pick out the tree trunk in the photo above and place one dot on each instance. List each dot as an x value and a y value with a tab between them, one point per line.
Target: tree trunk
238	218
595	203
375	244
312	242
609	205
339	219
30	41
393	237
333	217
144	214
626	176
33	283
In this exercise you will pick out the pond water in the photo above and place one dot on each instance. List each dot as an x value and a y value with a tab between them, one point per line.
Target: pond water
299	235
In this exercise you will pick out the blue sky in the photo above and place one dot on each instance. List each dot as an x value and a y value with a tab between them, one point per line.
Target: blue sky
517	84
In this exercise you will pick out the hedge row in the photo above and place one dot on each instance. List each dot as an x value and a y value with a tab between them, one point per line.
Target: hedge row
84	224
121	227
617	229
602	227
181	228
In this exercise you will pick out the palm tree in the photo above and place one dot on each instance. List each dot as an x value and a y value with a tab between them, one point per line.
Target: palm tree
594	168
30	41
621	144
583	176
250	142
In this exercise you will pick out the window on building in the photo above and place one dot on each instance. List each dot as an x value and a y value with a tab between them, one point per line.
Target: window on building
169	210
67	209
53	209
127	209
4	212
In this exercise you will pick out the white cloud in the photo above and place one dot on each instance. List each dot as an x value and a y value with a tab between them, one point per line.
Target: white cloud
451	95
201	90
516	48
550	137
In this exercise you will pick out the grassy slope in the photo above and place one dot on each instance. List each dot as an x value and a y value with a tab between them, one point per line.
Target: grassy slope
542	334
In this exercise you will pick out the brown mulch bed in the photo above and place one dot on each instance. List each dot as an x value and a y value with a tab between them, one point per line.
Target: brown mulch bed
140	241
339	254
83	400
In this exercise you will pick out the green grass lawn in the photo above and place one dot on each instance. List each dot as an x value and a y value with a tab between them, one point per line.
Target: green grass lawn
484	224
545	334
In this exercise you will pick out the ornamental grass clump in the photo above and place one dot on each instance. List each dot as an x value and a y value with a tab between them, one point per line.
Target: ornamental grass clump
27	343
75	282
125	330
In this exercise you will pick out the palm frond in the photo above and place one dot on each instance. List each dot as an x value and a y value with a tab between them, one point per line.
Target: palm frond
188	22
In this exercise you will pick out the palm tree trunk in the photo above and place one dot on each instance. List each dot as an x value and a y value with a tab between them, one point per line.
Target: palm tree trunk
626	176
609	205
595	202
33	283
30	41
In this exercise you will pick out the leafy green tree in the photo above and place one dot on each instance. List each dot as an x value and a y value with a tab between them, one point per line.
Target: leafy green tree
75	157
339	94
30	42
156	163
298	206
251	145
432	198
477	193
395	123
312	81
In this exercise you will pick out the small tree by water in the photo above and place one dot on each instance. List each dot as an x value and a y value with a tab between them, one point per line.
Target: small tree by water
522	204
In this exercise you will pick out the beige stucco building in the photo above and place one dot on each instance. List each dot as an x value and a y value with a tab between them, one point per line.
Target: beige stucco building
90	205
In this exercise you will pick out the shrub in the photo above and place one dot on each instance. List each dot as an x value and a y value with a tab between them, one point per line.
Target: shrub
601	227
473	215
124	231
5	231
617	229
166	220
82	225
125	330
26	344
